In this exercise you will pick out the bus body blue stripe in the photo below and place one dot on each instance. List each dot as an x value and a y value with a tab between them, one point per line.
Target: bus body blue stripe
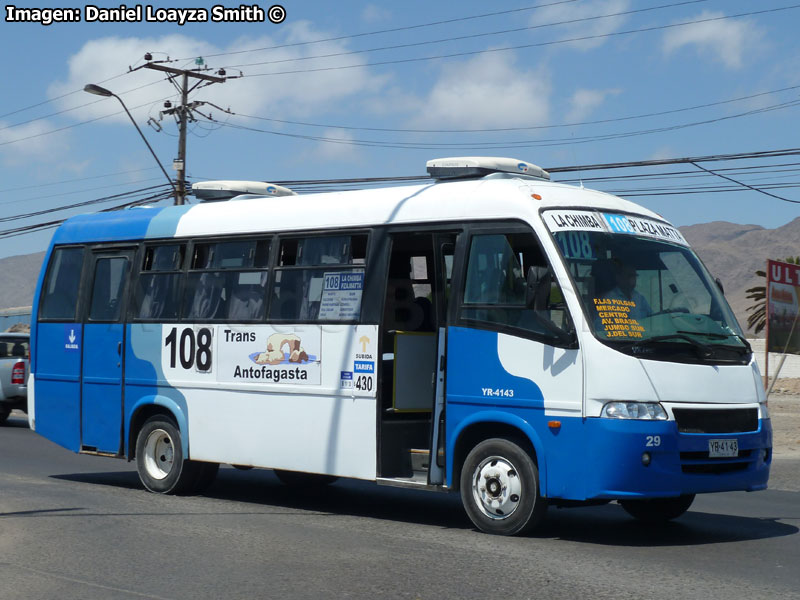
143	363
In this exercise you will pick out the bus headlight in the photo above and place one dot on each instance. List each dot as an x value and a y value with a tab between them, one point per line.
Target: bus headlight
646	411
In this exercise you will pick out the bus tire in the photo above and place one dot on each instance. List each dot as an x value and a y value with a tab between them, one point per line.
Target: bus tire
658	510
500	488
159	458
304	480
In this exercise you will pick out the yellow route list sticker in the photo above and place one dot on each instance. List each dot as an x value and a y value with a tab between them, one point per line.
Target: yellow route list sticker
615	318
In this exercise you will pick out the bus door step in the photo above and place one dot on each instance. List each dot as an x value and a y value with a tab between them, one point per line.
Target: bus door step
420	460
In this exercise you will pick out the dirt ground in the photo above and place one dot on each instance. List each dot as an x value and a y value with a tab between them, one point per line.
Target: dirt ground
784	408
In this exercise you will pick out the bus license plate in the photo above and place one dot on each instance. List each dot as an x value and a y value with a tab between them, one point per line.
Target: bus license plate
723	448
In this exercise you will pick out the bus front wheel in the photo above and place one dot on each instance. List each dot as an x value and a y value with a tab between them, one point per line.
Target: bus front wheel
159	458
500	488
658	510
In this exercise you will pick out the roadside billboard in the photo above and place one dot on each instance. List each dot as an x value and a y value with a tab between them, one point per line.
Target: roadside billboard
783	292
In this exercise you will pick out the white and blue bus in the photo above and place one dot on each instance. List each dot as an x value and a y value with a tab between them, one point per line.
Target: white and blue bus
522	342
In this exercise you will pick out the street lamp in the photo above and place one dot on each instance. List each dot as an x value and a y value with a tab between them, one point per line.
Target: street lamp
101	91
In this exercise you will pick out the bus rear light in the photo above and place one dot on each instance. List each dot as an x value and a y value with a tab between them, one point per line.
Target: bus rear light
18	374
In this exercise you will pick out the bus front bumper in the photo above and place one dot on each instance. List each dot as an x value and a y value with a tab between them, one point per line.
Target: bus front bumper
651	459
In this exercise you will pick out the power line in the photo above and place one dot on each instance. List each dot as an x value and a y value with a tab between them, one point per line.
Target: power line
66	110
72	192
760	191
7	233
382	31
508	143
51	131
527	127
335	184
19	110
531	45
101	200
468	36
40	185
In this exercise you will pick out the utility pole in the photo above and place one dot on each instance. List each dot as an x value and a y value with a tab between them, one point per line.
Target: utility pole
183	113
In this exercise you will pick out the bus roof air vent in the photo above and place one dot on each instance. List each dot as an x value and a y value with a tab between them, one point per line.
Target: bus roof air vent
459	167
212	191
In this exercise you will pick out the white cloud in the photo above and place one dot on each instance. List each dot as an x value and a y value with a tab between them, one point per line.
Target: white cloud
373	13
283	96
569	12
726	42
32	144
662	153
584	101
486	91
339	151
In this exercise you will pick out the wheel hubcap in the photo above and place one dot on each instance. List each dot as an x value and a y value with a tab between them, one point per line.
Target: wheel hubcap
496	487
159	454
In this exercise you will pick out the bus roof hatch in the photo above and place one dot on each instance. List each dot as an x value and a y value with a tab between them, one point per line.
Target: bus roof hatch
225	190
477	166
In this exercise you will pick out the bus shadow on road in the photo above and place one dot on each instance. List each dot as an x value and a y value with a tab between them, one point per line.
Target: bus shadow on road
605	525
610	525
120	479
345	497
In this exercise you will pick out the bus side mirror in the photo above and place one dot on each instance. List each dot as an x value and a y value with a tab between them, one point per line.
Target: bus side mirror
718	281
537	287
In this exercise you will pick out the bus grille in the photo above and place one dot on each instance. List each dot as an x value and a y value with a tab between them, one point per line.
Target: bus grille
733	420
715	469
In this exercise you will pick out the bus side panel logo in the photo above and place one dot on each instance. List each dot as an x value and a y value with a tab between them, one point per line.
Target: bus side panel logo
263	354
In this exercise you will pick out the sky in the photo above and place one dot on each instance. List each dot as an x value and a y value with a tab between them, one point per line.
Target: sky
366	89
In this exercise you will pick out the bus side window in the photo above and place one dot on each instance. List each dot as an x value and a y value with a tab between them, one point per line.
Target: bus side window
60	291
158	286
227	281
319	279
495	285
110	276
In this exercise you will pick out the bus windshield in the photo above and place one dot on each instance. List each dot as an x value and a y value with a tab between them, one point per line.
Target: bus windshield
651	298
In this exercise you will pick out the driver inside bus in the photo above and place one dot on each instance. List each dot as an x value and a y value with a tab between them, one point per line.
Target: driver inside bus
625	276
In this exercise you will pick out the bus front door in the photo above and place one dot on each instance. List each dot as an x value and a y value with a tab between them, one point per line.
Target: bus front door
103	353
412	375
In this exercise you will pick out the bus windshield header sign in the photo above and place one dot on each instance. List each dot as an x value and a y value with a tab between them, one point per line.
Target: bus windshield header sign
586	220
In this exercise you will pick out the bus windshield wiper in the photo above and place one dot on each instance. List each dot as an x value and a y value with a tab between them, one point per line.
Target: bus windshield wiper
723	336
703	350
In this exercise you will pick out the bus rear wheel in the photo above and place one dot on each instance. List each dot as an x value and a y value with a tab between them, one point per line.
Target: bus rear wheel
500	488
159	458
658	510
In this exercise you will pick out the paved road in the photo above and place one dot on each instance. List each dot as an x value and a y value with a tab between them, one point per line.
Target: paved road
82	527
